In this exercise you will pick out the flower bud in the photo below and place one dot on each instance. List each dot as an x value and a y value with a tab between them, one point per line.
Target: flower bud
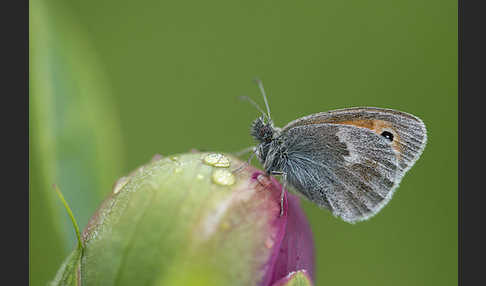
195	219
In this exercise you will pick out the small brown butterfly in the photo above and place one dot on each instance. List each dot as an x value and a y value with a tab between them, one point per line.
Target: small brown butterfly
349	161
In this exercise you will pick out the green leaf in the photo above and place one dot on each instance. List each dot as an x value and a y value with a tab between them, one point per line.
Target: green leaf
74	135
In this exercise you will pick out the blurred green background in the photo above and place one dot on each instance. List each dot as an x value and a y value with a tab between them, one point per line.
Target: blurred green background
114	82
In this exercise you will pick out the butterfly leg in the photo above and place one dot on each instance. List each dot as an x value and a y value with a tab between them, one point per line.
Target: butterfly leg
239	168
244	151
282	193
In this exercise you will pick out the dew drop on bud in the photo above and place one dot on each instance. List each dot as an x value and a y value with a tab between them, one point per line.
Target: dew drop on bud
119	184
217	160
223	177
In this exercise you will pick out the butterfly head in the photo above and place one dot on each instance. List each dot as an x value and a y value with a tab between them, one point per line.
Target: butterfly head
262	131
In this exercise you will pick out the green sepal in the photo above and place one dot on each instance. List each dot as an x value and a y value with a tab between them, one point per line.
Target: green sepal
298	278
71	216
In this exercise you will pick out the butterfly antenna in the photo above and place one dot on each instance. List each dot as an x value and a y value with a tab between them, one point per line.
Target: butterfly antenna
260	85
254	104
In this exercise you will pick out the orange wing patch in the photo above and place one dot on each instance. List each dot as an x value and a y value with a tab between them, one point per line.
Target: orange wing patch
377	126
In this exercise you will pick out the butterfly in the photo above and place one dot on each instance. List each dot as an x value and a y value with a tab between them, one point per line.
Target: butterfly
349	161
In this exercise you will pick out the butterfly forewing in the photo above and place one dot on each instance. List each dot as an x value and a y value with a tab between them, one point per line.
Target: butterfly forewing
408	131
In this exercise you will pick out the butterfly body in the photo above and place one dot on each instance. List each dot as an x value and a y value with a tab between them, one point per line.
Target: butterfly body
349	161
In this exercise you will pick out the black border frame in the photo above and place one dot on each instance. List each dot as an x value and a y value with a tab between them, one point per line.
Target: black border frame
14	212
471	77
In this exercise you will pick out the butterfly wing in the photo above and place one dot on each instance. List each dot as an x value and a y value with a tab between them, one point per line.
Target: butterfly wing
340	161
409	132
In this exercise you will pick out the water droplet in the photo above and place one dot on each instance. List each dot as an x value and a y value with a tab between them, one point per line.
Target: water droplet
223	177
119	184
200	176
217	160
178	163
